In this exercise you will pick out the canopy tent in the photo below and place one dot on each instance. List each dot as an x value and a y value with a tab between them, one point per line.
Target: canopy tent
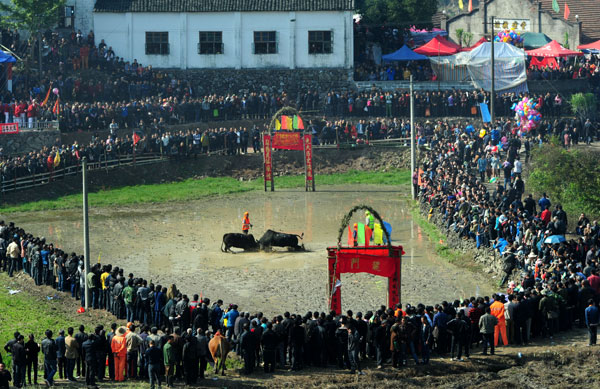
403	54
510	72
477	44
594	46
438	46
533	40
553	49
5	57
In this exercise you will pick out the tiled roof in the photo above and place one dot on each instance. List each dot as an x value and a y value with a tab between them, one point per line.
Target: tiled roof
221	5
589	16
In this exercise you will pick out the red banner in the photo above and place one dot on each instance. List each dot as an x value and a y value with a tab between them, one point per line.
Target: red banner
288	141
383	266
268	161
308	157
9	128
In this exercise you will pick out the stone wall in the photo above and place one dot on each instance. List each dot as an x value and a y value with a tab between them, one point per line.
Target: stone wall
26	141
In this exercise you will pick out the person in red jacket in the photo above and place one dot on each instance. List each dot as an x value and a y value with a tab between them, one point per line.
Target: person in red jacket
32	114
20	112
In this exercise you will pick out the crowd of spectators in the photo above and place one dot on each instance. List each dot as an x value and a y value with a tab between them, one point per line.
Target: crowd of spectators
551	287
551	282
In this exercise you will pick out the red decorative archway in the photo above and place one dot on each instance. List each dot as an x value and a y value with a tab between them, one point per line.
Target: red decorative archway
385	261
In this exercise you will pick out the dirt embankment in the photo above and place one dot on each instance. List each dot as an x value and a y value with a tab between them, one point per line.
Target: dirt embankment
246	167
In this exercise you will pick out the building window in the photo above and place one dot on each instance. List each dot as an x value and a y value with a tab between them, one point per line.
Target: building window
211	42
67	17
157	43
320	42
265	42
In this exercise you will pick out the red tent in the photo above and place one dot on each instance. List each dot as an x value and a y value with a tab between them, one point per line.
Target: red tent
438	46
552	49
590	46
477	44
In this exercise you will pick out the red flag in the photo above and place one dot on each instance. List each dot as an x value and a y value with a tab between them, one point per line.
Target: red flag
47	96
284	123
567	11
56	108
136	138
470	5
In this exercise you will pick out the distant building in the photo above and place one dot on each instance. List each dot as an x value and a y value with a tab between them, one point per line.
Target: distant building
527	16
237	34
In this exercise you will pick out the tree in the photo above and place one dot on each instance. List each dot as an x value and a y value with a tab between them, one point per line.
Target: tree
397	12
459	35
34	16
584	105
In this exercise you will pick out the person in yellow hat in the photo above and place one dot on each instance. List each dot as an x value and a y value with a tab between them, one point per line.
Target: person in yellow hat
246	223
355	234
369	220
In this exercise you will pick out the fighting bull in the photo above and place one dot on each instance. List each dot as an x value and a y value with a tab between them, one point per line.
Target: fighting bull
279	239
219	347
242	241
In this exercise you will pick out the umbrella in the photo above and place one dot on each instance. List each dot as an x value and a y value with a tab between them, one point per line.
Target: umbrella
554	239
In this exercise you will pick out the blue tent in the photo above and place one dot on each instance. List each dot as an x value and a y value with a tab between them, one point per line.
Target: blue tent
5	57
403	54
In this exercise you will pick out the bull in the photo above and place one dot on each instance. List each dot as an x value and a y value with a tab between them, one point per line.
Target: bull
242	241
279	239
219	347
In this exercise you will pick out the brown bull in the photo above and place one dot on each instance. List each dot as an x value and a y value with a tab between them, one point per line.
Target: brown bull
219	347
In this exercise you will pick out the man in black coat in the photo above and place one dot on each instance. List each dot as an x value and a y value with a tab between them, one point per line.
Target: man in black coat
19	360
248	349
269	342
296	341
89	349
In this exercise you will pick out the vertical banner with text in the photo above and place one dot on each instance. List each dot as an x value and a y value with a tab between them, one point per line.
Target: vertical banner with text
308	162
268	161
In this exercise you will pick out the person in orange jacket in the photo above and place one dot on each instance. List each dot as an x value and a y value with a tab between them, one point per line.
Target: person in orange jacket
497	309
246	223
119	350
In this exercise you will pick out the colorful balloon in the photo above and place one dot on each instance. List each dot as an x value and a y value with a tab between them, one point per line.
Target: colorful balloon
526	114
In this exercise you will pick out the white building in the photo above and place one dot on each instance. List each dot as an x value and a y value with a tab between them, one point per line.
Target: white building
237	34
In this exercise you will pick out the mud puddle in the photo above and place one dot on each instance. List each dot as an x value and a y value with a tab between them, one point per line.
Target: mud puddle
181	243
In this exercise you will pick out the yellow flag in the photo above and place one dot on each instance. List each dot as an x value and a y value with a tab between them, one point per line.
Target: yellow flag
277	125
57	159
460	4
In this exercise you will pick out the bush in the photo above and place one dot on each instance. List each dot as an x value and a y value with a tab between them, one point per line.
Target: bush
571	178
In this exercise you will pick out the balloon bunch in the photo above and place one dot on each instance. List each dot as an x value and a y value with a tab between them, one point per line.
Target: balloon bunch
509	36
526	114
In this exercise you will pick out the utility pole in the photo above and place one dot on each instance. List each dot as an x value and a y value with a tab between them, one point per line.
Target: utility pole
412	136
493	91
86	232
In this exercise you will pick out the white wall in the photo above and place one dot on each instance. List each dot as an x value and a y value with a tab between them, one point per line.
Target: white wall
125	32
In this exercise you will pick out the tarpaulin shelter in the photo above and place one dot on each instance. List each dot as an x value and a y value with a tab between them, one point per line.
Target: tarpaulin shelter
533	40
509	67
438	46
475	65
553	49
403	54
477	44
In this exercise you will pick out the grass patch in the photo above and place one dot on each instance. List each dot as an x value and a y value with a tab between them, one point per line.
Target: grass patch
193	189
437	237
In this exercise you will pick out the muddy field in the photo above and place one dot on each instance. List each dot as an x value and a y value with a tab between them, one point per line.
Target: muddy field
181	244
